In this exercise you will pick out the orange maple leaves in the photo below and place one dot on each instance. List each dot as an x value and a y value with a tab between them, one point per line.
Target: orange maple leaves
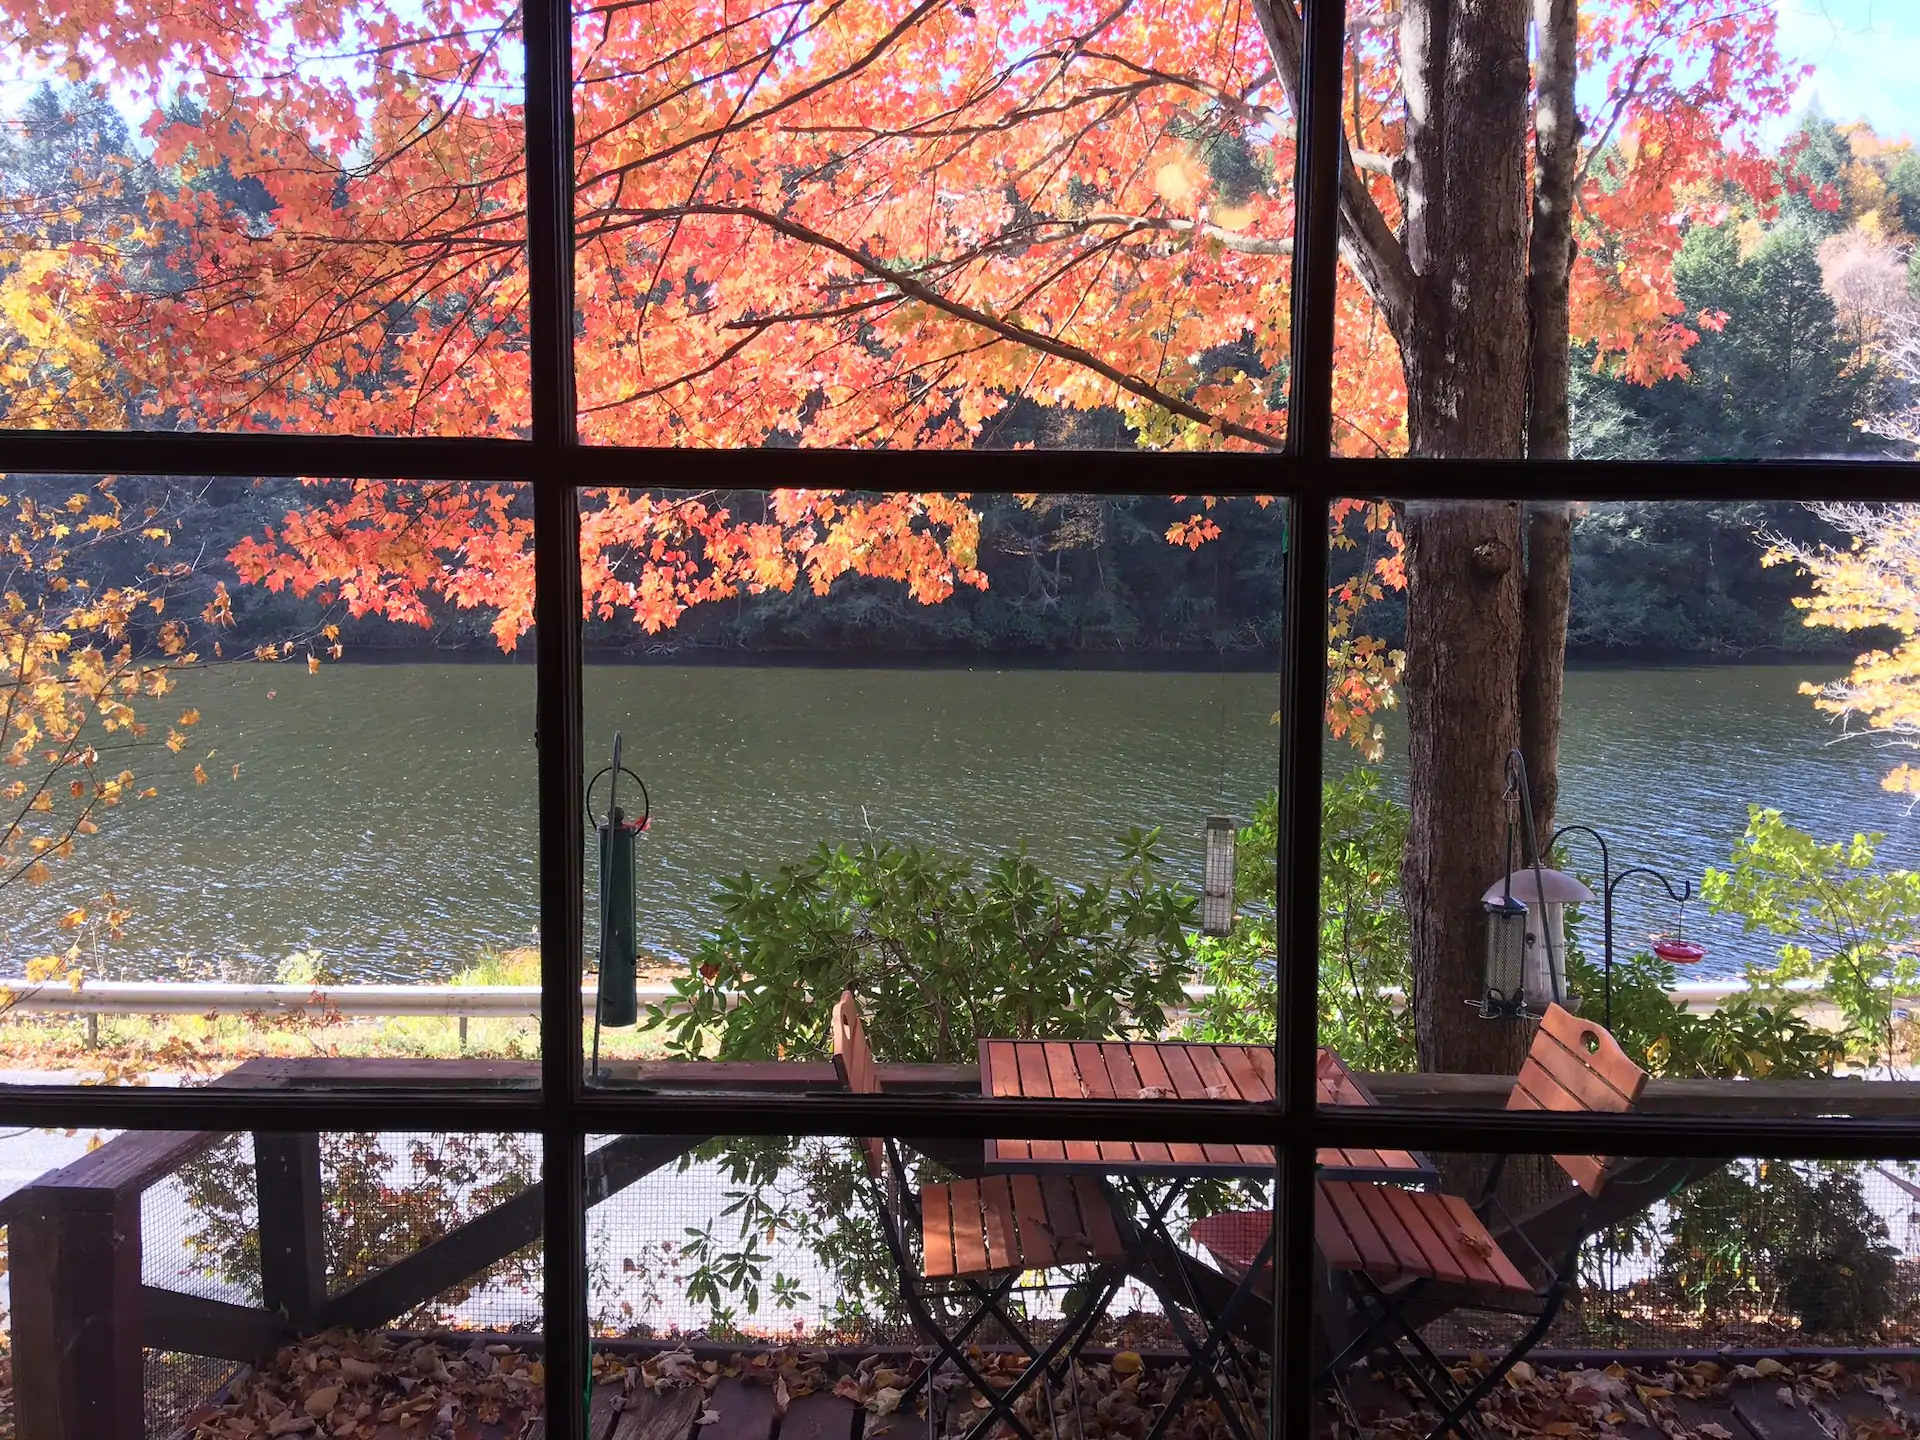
395	550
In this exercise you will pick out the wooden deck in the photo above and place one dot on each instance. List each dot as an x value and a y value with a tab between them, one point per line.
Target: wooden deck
736	1409
1804	1400
82	1314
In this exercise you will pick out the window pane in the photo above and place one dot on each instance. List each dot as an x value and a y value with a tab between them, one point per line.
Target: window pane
269	779
833	1290
280	217
979	741
237	1282
944	225
1742	196
1685	1294
1714	780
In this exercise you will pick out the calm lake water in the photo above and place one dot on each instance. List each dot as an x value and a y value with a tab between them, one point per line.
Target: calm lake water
383	815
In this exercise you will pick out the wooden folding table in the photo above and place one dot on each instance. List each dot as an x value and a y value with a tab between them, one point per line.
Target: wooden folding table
1169	1070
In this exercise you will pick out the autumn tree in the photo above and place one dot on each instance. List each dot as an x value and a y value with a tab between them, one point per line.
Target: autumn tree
85	669
1870	582
916	223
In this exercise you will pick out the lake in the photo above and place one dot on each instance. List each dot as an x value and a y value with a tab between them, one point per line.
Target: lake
383	814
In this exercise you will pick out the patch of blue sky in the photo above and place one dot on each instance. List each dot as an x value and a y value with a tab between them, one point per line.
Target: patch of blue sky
1866	59
344	62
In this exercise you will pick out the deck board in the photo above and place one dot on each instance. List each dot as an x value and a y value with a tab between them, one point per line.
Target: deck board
744	1411
651	1416
820	1416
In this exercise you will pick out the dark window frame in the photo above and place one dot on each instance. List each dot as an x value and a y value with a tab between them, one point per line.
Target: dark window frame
563	1112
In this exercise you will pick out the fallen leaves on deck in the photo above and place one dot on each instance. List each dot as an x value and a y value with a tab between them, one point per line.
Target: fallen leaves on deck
1696	1400
345	1386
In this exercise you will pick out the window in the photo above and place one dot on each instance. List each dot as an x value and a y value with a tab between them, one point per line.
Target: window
590	343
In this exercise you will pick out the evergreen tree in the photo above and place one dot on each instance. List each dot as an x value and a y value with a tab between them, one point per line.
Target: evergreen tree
1776	381
1813	176
1903	179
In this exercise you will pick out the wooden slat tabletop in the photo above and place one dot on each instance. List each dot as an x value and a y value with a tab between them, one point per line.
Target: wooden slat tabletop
1167	1070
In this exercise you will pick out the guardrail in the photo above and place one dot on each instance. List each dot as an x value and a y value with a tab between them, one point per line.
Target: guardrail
94	998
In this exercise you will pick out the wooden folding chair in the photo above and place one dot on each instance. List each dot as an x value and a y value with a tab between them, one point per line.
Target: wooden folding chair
1392	1245
978	1237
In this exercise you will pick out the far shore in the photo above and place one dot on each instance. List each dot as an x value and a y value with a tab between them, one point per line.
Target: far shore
1199	662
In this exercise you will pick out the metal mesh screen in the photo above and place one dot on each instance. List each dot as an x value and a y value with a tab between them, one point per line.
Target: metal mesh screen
176	1385
199	1227
779	1240
389	1195
1757	1255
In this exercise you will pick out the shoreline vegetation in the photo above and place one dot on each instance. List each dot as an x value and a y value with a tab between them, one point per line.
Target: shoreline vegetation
1082	582
1170	662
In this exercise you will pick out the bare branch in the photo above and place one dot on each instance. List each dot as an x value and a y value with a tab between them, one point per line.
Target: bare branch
1368	242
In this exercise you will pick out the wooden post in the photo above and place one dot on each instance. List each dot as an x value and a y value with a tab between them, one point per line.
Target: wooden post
293	1261
77	1360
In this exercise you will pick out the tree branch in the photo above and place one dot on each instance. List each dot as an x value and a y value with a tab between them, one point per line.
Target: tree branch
1229	239
1371	247
1006	329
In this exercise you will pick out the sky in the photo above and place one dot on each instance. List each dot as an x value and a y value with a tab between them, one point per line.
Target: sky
1866	55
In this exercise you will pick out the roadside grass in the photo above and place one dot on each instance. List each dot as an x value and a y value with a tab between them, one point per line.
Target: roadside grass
120	1048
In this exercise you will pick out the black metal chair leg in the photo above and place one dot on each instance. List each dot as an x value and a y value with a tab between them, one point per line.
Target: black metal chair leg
1200	1361
1453	1418
959	1337
1000	1403
1428	1378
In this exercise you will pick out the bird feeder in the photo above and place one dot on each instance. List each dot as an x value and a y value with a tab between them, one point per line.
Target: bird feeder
619	957
1503	989
1216	890
618	1004
1526	959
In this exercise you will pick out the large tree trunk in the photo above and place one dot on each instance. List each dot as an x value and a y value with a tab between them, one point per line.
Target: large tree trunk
1474	290
1549	591
1556	159
1464	619
1464	343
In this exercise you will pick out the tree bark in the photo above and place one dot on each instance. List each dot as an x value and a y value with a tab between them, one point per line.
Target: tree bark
1464	623
1543	681
1464	343
1556	160
1463	66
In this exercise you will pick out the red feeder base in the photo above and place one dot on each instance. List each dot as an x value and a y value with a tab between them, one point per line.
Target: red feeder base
1679	952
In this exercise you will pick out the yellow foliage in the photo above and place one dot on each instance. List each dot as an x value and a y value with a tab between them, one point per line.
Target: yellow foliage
1870	583
69	664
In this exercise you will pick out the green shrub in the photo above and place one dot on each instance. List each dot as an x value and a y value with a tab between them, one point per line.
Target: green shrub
1365	942
1796	1237
1744	1038
939	955
1848	925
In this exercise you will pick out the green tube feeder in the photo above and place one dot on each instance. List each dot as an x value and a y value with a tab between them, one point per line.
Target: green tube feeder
618	835
619	1001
